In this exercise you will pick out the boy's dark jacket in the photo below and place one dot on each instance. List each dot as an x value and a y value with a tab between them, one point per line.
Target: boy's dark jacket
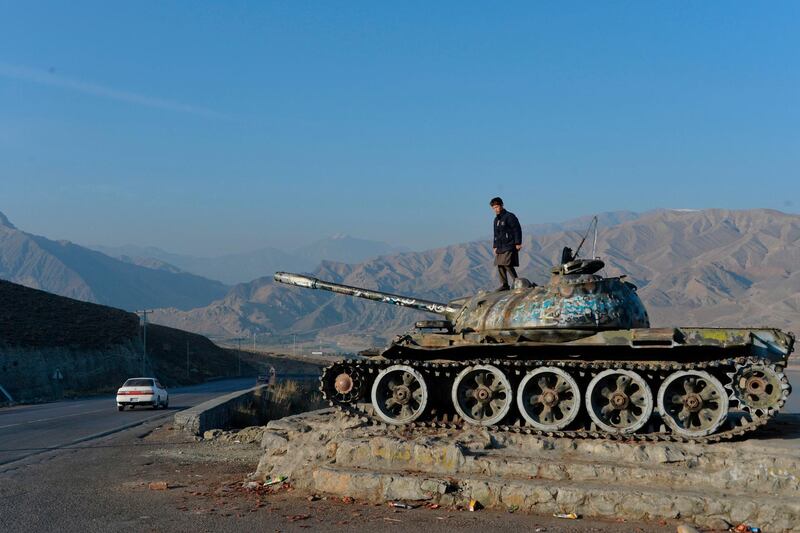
507	232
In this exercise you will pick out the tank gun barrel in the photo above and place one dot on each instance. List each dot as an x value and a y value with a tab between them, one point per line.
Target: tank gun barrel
307	282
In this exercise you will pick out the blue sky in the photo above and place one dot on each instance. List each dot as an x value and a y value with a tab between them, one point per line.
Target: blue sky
213	127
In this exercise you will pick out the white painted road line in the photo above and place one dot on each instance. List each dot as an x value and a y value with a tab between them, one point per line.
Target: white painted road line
52	418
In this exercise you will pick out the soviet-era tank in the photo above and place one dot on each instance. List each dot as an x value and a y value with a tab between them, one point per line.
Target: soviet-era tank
575	357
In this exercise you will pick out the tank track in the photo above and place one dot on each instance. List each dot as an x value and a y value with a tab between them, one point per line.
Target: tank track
724	369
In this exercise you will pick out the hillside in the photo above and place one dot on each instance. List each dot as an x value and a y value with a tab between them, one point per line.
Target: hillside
712	267
37	319
51	346
67	269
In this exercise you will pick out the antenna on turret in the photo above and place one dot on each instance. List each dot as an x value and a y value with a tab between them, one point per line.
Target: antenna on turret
594	246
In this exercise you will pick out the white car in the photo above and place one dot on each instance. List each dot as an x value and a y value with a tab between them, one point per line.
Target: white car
142	391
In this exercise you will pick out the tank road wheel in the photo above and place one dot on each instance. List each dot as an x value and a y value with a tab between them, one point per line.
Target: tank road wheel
482	395
760	388
619	401
548	398
399	394
692	403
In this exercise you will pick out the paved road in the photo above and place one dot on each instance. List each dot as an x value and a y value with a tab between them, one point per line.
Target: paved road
30	429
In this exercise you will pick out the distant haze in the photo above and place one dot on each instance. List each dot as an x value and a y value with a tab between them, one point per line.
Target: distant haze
247	266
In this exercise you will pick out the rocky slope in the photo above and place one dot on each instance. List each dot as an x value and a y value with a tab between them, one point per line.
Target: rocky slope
712	267
67	269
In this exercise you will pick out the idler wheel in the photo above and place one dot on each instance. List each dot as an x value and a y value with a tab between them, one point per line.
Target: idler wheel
482	395
760	388
692	403
548	398
619	401
399	395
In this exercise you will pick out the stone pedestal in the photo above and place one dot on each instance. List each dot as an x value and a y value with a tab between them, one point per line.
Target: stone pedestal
755	480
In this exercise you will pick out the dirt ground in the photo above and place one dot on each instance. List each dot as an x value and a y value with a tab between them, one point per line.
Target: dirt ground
211	480
116	484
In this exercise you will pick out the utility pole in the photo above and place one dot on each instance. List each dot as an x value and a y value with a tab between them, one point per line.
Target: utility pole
144	313
239	353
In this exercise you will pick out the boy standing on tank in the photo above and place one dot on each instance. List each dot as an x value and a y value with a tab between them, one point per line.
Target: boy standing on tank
507	242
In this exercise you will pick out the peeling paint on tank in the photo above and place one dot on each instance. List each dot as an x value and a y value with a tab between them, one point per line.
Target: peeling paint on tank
593	302
495	317
582	309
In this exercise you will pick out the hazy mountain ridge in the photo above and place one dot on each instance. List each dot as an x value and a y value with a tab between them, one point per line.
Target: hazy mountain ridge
712	267
67	269
581	224
246	266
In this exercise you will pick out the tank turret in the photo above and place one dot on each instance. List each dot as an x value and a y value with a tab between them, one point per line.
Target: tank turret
574	298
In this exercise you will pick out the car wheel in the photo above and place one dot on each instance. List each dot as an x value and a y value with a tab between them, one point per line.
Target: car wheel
166	403
120	407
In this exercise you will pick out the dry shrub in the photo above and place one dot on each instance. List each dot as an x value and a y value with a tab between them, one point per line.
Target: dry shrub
291	397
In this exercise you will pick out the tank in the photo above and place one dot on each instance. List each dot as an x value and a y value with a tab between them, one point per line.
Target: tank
575	357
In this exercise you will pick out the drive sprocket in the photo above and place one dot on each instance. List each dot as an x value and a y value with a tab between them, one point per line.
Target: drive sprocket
759	388
342	383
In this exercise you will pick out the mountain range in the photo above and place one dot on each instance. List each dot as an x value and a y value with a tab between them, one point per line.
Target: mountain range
710	267
244	267
70	270
247	266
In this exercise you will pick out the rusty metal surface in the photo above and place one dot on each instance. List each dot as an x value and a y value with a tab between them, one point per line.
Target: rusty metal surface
666	344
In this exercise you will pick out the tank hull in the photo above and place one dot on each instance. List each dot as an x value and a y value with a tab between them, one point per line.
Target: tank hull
667	344
681	384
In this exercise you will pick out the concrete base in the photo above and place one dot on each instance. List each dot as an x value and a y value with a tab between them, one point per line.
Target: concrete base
755	481
237	409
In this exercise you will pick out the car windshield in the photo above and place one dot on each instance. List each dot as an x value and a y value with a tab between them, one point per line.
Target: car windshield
138	383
